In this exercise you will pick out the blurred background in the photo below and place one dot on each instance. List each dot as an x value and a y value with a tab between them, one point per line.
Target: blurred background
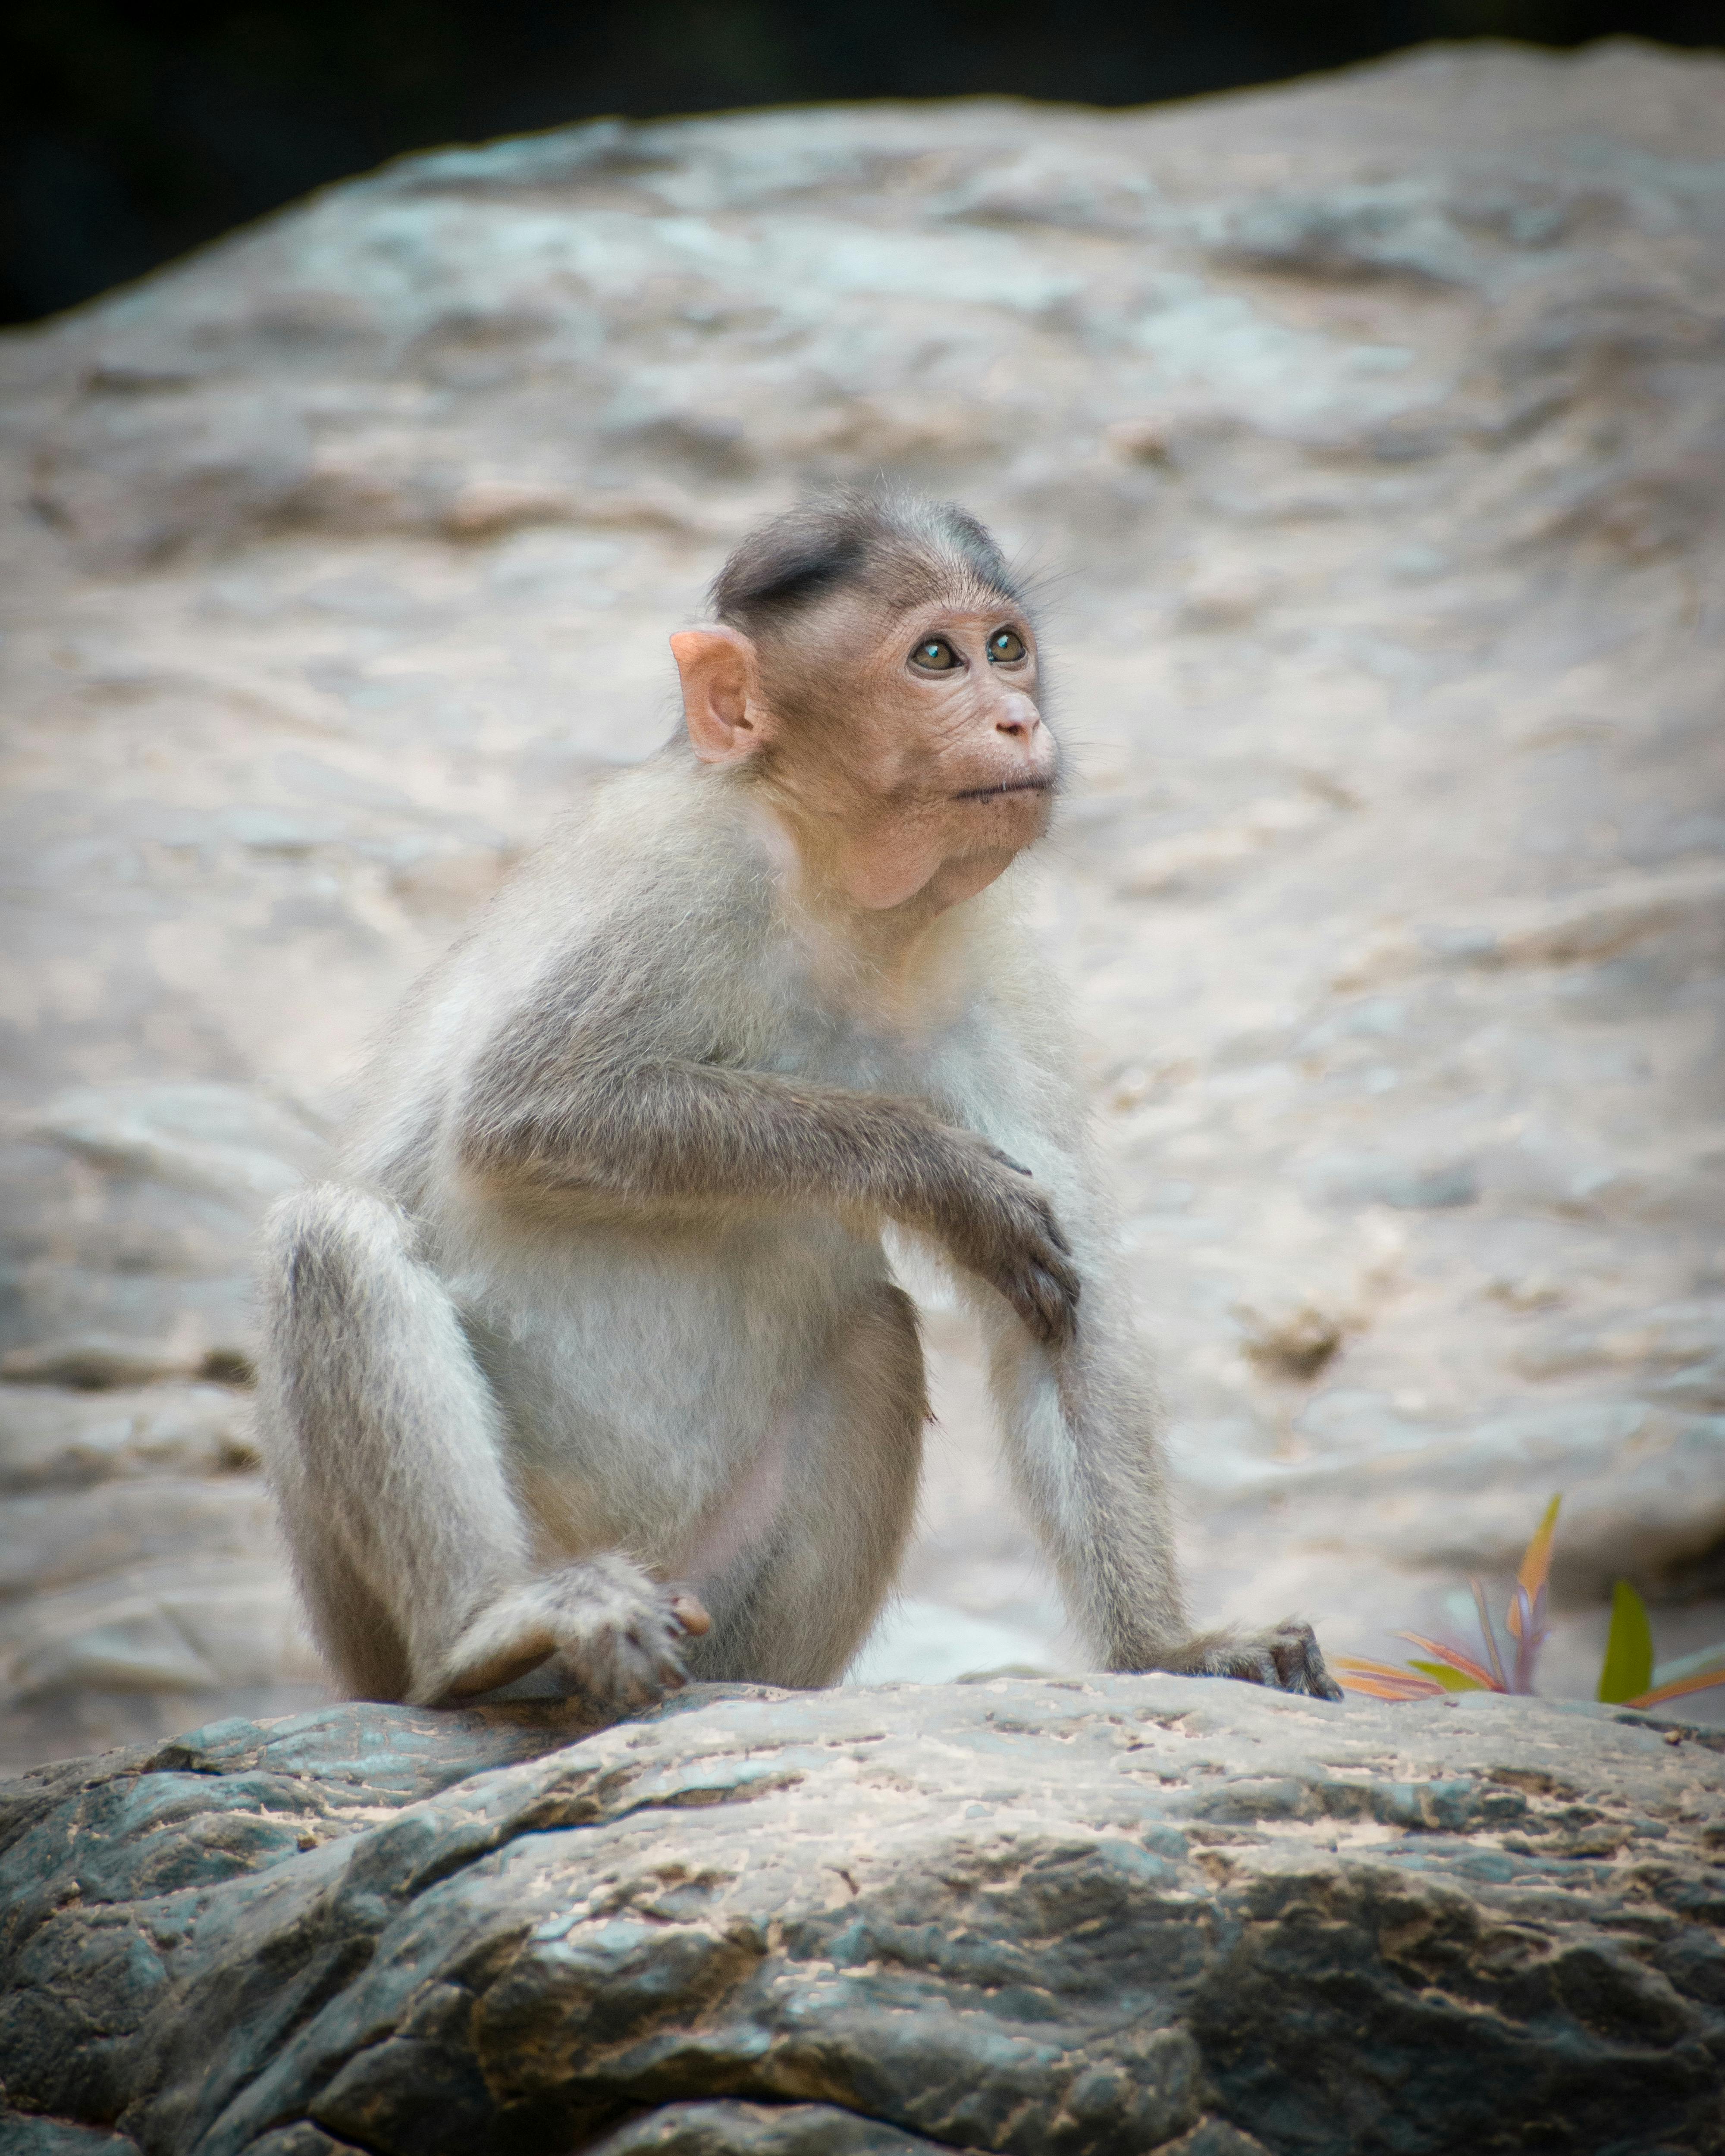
1367	433
128	133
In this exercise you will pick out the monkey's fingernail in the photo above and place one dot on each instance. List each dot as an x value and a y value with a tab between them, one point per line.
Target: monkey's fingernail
690	1614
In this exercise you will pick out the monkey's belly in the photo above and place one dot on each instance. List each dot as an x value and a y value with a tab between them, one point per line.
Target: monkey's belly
649	1391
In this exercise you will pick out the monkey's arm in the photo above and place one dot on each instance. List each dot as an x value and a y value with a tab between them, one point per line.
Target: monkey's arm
1079	1422
672	1131
1083	1442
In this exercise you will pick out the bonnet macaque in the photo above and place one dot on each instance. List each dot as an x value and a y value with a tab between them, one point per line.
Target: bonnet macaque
590	1362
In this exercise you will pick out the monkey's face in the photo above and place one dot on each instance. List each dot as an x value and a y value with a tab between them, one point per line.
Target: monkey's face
905	744
916	733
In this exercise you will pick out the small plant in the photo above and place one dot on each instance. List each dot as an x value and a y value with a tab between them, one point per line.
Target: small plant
1627	1676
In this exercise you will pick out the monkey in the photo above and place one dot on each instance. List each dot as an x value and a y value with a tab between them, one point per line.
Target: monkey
587	1371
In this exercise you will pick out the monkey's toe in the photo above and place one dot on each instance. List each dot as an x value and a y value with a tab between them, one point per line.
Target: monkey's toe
632	1654
1286	1658
503	1669
1298	1662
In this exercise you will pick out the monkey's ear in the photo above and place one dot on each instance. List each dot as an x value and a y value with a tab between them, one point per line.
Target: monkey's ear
722	699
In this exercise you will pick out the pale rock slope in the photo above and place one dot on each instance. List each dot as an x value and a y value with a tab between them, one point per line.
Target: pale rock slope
1369	436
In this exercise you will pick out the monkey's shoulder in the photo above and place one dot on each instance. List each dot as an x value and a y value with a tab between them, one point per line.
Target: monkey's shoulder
646	918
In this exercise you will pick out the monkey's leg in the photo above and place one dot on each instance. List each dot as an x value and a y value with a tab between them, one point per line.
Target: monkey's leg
384	1443
794	1609
1079	1422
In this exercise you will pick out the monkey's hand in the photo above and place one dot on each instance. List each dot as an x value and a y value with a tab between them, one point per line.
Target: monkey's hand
620	1635
1000	1226
1287	1658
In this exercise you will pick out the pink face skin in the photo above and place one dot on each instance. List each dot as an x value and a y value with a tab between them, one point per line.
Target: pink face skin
909	761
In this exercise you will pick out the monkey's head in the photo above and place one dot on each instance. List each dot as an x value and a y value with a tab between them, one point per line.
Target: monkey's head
873	672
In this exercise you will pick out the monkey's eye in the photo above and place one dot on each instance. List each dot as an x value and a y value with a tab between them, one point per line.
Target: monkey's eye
1006	647
935	656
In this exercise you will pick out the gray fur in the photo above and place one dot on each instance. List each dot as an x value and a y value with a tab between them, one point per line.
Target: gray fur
598	1299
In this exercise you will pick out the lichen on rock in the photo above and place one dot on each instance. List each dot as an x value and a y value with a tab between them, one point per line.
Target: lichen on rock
1090	1916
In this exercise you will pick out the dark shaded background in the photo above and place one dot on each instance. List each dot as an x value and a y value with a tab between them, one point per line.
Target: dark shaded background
131	133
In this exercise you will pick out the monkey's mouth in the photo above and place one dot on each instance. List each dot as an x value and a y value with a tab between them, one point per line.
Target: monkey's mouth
1008	785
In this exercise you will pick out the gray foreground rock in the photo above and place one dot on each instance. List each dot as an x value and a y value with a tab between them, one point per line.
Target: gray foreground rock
1373	428
1081	1917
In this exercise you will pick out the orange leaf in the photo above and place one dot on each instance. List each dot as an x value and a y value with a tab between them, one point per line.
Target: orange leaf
1536	1563
1372	1689
1382	1679
1679	1688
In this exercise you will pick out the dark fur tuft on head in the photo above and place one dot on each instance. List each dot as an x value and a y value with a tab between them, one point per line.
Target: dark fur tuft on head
895	545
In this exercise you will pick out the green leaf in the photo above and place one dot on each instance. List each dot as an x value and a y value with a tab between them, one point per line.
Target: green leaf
1451	1679
1628	1670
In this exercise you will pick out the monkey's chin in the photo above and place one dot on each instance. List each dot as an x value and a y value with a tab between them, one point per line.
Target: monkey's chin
956	881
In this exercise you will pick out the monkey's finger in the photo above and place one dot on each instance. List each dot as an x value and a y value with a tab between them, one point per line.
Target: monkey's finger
1064	1275
1019	1290
1066	1288
1063	1314
1045	1308
1048	1224
690	1613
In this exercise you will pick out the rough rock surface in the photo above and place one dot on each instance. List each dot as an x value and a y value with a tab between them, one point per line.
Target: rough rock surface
1374	430
1070	1918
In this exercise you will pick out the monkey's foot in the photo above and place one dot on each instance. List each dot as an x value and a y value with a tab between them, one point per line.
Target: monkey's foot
619	1634
1287	1658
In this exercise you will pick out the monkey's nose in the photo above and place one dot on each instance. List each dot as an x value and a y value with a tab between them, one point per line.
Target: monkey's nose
1018	725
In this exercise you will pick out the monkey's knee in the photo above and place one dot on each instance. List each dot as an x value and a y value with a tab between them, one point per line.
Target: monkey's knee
325	1246
350	1311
